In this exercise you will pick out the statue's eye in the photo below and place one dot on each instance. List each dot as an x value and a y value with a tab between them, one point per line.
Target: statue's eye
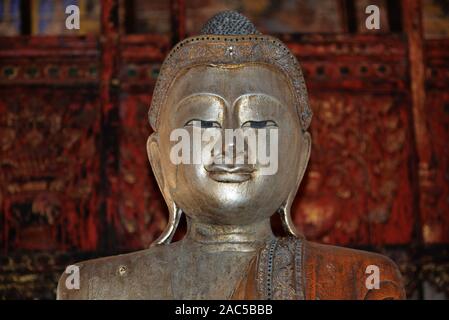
202	123
259	124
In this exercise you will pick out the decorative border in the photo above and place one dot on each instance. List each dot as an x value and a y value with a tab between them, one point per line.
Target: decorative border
280	268
299	254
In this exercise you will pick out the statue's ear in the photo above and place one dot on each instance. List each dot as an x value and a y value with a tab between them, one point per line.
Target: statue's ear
154	156
304	156
285	209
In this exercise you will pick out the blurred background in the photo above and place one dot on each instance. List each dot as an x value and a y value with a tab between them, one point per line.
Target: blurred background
75	182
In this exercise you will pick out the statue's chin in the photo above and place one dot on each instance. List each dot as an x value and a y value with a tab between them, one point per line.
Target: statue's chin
227	197
233	208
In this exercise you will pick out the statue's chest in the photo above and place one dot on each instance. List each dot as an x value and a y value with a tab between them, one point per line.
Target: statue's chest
208	276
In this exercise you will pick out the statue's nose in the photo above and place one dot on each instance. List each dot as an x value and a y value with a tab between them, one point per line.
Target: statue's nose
230	160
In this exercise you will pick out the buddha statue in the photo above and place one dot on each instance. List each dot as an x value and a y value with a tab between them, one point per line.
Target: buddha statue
232	77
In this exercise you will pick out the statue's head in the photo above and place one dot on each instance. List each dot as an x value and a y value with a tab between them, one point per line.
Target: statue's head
229	77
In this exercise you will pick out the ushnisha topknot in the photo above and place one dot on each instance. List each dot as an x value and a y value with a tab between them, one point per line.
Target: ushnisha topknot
229	38
229	23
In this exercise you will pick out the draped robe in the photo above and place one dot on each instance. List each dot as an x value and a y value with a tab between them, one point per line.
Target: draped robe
294	268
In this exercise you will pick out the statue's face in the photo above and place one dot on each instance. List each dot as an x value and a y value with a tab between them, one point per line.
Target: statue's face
252	96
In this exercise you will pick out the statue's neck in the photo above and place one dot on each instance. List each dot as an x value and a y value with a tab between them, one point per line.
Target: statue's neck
240	238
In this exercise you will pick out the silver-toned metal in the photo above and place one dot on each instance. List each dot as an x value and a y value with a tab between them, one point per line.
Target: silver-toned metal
230	95
169	231
216	50
287	222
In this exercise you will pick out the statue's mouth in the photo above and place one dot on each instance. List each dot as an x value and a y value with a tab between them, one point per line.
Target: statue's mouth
230	173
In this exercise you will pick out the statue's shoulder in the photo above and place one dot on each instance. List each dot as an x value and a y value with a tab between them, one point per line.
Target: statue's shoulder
331	253
338	272
114	277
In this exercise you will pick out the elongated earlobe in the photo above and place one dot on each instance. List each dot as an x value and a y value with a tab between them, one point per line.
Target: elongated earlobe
287	222
169	231
285	209
174	212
